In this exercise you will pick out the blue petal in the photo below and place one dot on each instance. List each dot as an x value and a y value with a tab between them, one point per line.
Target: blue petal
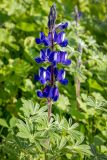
49	68
41	70
56	98
67	62
60	74
42	35
54	63
55	71
51	57
51	93
57	56
55	37
48	51
48	75
60	37
64	81
39	94
46	42
38	60
46	91
42	55
64	43
36	77
63	25
56	94
38	40
42	80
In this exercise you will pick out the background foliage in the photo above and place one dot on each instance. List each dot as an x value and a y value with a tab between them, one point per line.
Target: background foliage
20	22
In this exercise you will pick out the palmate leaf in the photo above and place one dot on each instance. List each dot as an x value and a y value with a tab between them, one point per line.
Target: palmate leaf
96	103
28	108
62	143
68	128
31	110
23	130
37	136
80	148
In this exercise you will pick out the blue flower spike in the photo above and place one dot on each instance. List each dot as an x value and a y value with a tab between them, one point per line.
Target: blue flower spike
48	76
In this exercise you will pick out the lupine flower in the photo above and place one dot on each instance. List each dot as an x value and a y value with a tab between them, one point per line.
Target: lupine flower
59	57
62	26
49	92
44	76
43	39
58	38
48	76
44	56
60	76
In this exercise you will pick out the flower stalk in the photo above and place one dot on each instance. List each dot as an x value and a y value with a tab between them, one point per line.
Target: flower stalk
77	81
48	76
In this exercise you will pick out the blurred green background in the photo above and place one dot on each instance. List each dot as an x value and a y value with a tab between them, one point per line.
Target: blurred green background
20	23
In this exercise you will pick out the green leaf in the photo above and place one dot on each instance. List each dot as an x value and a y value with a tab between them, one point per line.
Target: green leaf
3	123
27	27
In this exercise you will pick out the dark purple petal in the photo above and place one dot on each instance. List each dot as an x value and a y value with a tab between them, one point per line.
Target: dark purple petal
55	37
46	91
42	35
36	77
49	69
57	56
47	52
64	81
42	55
67	62
60	37
63	25
41	71
48	75
39	94
51	93
55	94
38	40
51	57
38	60
63	56
42	80
60	74
55	71
64	43
46	42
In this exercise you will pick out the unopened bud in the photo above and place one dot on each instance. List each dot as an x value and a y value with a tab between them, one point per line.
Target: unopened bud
52	17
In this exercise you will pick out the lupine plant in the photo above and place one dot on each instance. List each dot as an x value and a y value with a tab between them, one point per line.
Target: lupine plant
34	134
48	76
